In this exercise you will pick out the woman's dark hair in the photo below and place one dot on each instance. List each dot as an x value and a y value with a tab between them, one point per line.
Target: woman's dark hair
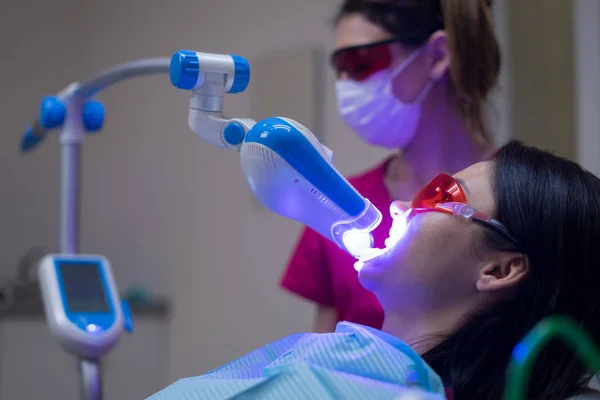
474	49
552	206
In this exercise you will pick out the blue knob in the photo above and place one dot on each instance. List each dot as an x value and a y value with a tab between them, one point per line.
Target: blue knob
185	69
93	116
52	112
233	133
242	74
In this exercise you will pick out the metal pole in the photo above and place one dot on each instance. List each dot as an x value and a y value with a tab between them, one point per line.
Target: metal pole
91	386
122	72
70	196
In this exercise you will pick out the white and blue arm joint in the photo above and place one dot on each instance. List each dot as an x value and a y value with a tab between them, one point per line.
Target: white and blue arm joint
220	131
66	111
209	77
190	70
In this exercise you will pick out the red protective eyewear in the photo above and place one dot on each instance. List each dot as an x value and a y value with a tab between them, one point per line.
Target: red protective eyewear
360	62
444	193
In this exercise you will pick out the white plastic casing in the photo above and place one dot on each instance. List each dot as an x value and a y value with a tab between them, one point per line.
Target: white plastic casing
63	324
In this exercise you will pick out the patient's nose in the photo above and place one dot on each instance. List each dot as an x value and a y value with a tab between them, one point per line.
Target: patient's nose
398	208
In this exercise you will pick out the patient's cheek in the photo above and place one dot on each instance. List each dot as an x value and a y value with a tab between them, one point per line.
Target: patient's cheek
433	246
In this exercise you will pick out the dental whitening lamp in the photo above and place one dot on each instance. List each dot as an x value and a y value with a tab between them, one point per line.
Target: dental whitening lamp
289	171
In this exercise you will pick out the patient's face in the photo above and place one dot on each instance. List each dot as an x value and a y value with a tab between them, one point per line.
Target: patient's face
438	259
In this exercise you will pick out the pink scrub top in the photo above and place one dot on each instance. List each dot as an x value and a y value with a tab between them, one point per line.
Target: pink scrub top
323	273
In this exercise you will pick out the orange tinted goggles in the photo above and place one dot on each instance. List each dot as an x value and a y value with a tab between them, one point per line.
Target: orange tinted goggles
444	193
360	62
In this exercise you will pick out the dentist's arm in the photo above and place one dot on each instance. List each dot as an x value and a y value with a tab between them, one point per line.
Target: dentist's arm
308	275
325	320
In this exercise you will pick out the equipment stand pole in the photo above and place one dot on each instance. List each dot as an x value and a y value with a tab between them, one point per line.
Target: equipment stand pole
91	386
70	193
71	141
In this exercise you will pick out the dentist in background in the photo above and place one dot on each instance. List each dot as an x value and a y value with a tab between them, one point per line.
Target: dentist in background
413	76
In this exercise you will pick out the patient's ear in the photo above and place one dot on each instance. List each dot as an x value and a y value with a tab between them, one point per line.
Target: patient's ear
504	272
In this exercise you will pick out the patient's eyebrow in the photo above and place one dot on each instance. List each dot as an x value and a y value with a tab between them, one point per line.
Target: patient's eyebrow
463	184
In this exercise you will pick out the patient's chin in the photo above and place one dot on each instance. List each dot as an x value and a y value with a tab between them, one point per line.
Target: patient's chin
372	272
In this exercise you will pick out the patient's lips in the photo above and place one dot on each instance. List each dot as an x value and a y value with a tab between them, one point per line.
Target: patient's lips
370	254
366	256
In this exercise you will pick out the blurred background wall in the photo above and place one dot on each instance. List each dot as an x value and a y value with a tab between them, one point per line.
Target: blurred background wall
173	213
541	48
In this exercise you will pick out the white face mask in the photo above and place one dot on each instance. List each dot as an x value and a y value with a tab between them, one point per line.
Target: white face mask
372	110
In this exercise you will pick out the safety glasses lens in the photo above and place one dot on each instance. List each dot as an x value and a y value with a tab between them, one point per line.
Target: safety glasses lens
441	189
360	62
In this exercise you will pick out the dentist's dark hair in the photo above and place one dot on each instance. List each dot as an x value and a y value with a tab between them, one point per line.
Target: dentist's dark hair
475	53
552	206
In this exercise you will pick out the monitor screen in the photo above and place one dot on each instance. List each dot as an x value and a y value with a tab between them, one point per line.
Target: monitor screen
83	287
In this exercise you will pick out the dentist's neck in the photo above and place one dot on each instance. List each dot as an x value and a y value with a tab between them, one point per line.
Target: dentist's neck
442	142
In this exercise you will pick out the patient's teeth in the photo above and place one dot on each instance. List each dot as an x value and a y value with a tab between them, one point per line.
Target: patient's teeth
358	265
396	230
398	227
367	255
391	241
